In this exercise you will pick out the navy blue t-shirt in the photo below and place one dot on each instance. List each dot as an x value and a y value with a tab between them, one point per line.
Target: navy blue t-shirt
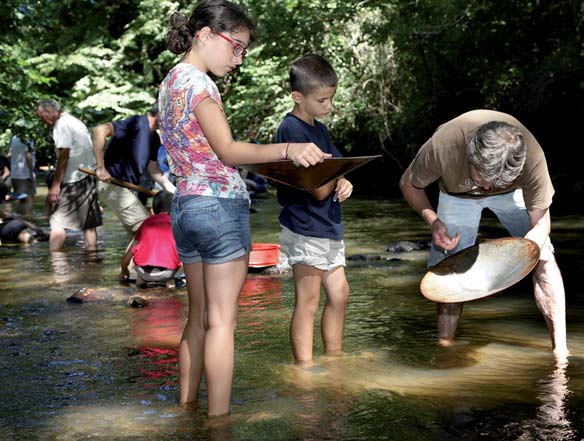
301	213
131	148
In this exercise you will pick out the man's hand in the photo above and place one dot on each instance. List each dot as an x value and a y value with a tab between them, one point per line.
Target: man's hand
441	238
102	174
54	192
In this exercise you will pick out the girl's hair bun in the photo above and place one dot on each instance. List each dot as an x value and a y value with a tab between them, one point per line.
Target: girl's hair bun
179	39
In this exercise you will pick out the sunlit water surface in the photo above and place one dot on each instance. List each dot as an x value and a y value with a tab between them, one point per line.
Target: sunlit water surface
106	371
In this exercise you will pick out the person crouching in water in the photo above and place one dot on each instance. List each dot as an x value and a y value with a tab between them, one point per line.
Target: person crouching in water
153	247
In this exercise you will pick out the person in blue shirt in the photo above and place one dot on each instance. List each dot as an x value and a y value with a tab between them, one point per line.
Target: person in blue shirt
131	152
312	231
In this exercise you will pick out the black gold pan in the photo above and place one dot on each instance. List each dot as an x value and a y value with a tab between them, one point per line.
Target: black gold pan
308	178
481	270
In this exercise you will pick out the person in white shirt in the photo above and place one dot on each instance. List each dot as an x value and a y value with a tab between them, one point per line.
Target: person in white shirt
72	193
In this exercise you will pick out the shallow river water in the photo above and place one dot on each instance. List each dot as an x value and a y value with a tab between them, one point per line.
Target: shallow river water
106	371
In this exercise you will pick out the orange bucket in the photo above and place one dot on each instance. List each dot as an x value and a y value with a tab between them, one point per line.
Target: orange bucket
264	254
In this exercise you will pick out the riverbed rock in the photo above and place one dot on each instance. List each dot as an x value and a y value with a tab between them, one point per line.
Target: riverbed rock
273	270
84	295
94	295
137	302
363	257
404	246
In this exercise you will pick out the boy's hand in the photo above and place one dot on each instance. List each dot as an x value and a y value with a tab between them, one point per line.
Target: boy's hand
306	154
343	190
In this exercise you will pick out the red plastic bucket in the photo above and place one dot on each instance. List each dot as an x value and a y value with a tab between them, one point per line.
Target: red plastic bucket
264	254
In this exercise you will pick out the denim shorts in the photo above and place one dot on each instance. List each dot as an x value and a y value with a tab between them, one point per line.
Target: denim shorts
209	229
319	252
463	215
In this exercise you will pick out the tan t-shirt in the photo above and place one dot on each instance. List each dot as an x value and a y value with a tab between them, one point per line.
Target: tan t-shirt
444	157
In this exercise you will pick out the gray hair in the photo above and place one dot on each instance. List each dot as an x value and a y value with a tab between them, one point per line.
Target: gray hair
497	151
49	104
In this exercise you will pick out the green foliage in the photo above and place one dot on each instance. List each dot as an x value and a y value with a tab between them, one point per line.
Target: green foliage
404	67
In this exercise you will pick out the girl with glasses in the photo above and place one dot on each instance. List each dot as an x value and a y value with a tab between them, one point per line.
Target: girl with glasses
210	211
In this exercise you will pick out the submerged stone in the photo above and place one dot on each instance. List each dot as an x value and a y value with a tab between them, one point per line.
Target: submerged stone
137	302
407	246
84	295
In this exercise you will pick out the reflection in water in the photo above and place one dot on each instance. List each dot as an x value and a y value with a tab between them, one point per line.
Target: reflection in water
551	422
102	370
158	328
260	292
322	402
259	296
61	268
73	266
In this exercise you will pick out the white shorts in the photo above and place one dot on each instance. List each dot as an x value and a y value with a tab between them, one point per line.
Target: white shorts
321	253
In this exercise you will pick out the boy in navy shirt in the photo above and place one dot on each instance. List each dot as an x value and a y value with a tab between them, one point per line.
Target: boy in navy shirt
312	232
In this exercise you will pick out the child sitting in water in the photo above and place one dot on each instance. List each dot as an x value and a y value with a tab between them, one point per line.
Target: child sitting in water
14	228
153	247
312	232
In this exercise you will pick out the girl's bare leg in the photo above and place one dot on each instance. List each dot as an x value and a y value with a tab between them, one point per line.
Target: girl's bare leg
307	281
223	283
333	316
192	343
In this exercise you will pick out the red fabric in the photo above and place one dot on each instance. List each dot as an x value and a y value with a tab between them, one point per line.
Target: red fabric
156	246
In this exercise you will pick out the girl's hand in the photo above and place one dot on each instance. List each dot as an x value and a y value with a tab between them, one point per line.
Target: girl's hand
343	190
306	154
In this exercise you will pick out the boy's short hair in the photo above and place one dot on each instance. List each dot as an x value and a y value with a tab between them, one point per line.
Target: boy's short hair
161	202
310	72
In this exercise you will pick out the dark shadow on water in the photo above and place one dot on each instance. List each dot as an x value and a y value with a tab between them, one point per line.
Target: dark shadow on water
549	420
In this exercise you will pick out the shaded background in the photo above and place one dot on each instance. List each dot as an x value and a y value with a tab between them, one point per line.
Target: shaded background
405	67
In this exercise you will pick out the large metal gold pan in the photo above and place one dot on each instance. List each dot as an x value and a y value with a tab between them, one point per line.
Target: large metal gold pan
480	270
308	178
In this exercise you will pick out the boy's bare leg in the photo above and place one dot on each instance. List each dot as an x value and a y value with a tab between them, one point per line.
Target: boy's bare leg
548	288
448	316
90	239
223	283
192	343
57	239
333	316
307	281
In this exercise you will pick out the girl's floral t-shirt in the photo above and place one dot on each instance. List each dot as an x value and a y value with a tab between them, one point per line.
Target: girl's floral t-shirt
198	169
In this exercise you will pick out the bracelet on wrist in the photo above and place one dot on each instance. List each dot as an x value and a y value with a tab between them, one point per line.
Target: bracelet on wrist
286	151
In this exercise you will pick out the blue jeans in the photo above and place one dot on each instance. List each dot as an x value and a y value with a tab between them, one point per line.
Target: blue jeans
463	215
209	229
